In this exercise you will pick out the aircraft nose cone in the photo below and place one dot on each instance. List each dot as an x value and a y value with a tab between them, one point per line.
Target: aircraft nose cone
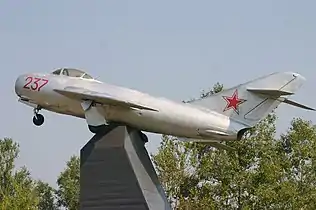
19	83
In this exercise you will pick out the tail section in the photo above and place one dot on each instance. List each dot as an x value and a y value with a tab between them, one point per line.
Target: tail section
252	101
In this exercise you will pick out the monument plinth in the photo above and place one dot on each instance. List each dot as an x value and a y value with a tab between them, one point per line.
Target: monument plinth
116	172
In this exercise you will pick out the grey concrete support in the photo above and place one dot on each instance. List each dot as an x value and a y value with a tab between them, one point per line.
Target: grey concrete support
116	173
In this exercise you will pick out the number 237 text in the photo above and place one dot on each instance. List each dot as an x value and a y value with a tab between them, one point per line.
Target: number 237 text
35	83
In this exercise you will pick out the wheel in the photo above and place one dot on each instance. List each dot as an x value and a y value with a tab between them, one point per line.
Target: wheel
38	119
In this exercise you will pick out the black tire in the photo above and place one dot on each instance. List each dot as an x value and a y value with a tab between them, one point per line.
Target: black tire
38	120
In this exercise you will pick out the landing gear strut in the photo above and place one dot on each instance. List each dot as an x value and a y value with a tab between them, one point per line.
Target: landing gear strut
38	119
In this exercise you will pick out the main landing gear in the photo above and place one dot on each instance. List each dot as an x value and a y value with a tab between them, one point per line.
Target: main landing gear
38	119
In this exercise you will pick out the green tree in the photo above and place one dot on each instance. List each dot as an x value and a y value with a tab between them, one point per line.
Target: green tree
46	196
17	188
299	165
69	185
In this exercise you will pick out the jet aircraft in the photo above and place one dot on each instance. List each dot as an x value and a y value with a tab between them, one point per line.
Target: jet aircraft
220	117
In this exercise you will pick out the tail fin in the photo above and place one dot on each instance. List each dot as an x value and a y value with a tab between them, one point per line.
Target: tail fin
252	101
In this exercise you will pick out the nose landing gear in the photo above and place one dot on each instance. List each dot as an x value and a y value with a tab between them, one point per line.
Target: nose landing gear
38	119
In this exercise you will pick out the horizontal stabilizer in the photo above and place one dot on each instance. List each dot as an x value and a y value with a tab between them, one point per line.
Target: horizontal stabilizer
212	143
293	103
269	92
275	94
97	97
220	146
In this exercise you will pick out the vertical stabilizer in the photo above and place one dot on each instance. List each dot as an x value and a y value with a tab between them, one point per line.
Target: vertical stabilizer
250	102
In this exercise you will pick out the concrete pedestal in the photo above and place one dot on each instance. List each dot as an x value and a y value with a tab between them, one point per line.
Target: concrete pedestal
116	173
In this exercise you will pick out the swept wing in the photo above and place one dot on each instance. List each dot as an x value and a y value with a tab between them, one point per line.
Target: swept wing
83	94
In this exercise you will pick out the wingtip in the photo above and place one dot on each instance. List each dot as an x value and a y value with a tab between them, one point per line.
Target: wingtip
297	75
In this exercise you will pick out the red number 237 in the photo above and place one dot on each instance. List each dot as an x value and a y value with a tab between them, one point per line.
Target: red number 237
35	83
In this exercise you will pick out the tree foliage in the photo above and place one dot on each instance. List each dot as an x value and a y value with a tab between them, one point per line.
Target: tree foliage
17	188
46	196
69	185
265	171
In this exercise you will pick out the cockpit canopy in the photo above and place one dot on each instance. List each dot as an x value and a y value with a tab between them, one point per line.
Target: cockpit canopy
72	73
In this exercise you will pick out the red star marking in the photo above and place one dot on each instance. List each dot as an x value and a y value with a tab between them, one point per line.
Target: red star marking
233	102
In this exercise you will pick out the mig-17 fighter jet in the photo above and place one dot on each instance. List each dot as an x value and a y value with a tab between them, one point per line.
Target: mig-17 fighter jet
224	116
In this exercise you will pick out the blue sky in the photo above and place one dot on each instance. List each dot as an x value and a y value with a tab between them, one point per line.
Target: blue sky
172	49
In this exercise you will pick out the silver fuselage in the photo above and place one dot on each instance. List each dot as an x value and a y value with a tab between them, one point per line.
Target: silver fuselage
173	118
